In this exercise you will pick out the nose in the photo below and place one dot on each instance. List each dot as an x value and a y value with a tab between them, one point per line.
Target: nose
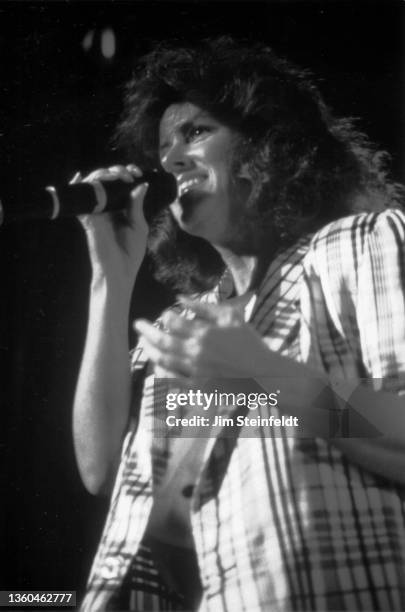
175	158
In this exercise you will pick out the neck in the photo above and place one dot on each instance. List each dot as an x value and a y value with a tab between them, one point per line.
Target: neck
242	267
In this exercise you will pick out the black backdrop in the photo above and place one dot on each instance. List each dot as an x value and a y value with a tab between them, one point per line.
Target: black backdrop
59	103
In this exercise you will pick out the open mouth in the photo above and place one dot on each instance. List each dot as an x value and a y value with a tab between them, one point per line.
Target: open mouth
190	184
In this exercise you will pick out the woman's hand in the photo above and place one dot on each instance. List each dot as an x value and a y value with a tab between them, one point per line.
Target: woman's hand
216	343
117	241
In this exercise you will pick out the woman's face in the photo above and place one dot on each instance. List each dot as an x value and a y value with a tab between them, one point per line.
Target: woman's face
198	150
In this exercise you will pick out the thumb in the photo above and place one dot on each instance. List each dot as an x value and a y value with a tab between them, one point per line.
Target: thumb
202	310
135	212
223	315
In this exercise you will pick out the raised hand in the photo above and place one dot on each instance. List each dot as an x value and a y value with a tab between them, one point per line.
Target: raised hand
215	343
117	241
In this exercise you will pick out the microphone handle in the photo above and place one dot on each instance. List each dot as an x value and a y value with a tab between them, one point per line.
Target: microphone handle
94	198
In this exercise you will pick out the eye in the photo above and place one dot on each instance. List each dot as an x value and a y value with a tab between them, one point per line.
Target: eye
195	131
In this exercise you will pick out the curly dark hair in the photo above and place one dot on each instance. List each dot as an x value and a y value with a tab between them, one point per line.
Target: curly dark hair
308	166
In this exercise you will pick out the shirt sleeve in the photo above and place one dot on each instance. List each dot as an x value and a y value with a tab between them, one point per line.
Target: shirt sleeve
355	297
381	297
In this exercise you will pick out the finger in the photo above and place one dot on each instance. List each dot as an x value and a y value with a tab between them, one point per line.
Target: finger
160	339
205	312
122	173
101	174
133	169
223	315
133	216
167	361
76	178
180	326
110	174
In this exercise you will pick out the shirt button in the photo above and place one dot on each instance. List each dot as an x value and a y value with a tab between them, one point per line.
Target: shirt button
187	491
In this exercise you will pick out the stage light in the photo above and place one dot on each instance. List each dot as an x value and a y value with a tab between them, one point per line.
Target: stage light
87	41
108	43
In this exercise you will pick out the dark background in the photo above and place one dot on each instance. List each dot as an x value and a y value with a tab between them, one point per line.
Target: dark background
59	103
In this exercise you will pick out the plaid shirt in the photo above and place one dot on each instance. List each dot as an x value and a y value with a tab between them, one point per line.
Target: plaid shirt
283	523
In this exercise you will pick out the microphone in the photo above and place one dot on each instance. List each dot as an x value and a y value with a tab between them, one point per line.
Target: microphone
95	198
